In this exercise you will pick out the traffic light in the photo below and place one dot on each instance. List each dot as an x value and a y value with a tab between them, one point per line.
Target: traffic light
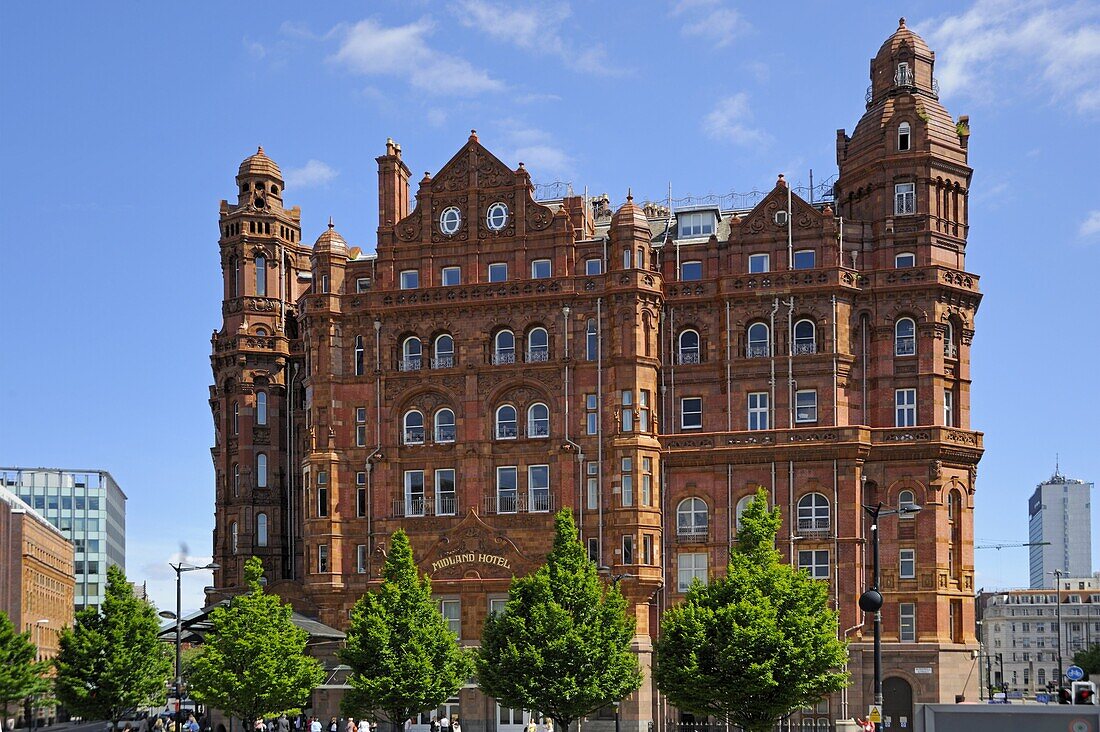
1084	692
1064	696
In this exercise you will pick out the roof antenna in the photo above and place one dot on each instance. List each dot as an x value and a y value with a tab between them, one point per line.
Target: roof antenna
330	224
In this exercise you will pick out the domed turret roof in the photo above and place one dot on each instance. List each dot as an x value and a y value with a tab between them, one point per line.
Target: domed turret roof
630	214
904	35
330	241
260	164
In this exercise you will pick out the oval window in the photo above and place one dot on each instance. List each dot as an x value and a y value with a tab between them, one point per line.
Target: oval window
450	220
497	216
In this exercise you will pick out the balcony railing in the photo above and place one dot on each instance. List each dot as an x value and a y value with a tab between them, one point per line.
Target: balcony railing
905	346
414	436
685	358
503	357
443	362
757	351
410	363
813	526
536	501
691	534
539	356
410	506
445	433
950	350
534	429
507	432
805	349
446	504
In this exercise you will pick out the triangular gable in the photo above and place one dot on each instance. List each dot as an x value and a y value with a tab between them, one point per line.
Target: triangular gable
474	549
762	217
472	166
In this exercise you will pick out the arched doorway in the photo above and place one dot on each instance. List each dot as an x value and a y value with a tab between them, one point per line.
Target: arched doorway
897	704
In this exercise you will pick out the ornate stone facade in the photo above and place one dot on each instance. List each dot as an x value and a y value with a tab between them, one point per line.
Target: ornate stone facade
500	357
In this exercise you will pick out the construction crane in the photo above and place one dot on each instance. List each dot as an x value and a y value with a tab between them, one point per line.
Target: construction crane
1002	546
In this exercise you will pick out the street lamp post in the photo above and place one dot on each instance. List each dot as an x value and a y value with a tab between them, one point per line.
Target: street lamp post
871	600
180	568
1058	615
38	651
616	716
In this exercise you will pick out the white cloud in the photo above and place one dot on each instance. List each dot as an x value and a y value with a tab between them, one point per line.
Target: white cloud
709	21
536	28
436	117
313	173
1091	225
729	120
160	579
403	51
255	49
999	46
536	149
544	159
535	98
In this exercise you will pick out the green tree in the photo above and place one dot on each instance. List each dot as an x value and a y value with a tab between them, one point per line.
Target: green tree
1088	659
756	644
404	658
253	662
112	660
20	674
562	644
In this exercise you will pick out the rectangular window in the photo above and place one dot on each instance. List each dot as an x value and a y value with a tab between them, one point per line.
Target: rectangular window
816	562
361	494
907	625
592	417
362	284
361	559
698	223
905	403
643	411
691	271
324	283
594	550
905	198
758	410
628	549
451	276
948	408
904	260
322	557
691	413
322	494
690	567
627	481
446	502
410	279
627	400
647	481
593	266
497	605
593	485
540	269
759	263
451	610
538	488
805	259
414	492
805	405
907	559
498	272
506	490
647	549
360	426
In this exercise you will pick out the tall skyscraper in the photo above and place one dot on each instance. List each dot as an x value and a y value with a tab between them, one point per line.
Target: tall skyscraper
1059	513
90	510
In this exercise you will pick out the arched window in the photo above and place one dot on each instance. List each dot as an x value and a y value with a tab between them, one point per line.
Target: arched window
236	418
905	337
261	529
233	545
538	420
506	422
411	351
538	345
414	427
905	500
444	356
236	277
813	514
261	471
805	337
261	275
1042	677
689	347
759	342
261	407
359	355
591	341
949	348
691	519
740	509
444	426
236	480
903	137
504	347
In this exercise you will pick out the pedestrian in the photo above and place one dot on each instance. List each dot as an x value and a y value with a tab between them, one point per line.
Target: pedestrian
350	727
531	726
258	725
549	724
333	725
283	725
192	725
444	724
455	726
158	726
433	726
315	725
408	725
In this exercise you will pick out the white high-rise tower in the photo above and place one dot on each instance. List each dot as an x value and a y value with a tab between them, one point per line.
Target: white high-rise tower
1059	513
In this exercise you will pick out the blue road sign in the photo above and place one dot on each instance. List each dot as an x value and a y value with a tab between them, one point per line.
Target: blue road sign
1042	698
1075	673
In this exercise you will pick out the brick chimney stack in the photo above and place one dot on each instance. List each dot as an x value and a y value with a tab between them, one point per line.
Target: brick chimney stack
393	186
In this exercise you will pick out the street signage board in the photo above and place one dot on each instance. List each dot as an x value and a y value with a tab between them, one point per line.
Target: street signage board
1042	698
874	714
1075	673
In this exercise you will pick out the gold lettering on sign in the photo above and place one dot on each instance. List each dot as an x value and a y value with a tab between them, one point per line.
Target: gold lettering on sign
470	558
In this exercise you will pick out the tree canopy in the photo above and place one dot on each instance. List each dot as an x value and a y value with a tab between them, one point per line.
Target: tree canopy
562	644
756	644
112	660
1088	659
21	675
253	662
404	658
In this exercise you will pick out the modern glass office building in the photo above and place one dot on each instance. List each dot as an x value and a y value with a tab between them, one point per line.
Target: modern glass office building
89	508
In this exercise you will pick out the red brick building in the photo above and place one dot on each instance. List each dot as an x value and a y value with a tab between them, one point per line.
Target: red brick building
499	357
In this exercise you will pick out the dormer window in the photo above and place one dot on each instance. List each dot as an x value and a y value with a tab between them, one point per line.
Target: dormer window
695	224
903	76
903	137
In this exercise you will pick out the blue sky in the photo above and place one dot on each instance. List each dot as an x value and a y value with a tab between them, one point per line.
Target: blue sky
122	125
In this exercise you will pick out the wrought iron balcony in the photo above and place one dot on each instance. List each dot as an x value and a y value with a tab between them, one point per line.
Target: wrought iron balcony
813	526
414	436
506	502
691	534
443	362
805	349
950	350
507	432
686	358
409	507
535	429
905	346
446	504
757	351
503	357
539	356
445	433
410	363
